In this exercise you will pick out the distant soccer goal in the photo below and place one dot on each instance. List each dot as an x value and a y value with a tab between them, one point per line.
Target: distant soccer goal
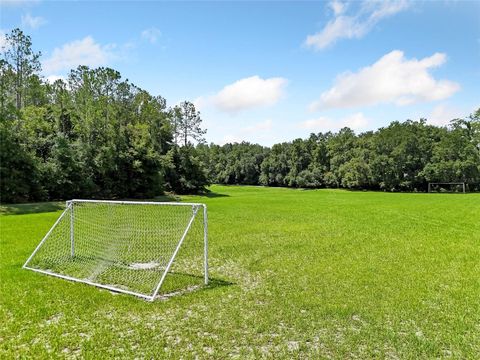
138	248
446	187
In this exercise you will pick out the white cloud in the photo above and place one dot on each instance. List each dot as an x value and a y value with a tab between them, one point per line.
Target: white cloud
356	121
33	22
230	139
392	79
343	26
260	130
337	7
318	123
52	78
442	114
152	34
354	26
262	126
78	52
248	93
200	102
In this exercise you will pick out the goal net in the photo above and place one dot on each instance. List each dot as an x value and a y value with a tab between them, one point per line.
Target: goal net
132	247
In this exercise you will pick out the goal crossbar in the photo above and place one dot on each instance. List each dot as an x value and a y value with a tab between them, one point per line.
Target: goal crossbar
196	208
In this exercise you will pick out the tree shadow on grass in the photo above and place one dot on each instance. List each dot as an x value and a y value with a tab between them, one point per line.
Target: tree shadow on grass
33	208
173	197
43	207
214	195
166	198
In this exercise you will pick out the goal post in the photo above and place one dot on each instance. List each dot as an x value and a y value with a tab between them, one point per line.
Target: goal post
441	185
133	247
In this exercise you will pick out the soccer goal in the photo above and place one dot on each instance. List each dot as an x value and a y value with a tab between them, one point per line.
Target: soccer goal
446	187
137	248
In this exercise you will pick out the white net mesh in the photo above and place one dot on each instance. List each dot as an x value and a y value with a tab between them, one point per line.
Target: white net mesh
126	246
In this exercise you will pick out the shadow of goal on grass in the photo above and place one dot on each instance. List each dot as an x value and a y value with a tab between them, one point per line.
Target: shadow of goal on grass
177	284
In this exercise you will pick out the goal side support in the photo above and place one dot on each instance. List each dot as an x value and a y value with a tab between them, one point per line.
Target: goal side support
169	265
72	234
205	243
70	207
44	239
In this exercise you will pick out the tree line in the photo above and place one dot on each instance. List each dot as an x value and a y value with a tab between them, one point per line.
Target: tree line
404	156
97	135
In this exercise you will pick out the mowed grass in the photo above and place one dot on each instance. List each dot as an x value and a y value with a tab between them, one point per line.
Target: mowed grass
296	274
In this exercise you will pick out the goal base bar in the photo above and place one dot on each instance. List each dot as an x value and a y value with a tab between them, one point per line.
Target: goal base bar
111	288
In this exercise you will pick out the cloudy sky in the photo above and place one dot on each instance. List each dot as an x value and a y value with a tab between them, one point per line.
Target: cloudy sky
272	71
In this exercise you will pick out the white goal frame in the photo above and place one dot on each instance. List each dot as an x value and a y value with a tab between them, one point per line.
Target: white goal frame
70	207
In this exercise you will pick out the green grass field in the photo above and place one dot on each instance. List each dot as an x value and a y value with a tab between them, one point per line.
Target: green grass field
296	274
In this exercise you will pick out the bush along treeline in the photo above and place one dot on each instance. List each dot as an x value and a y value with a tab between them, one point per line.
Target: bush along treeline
405	156
96	135
92	135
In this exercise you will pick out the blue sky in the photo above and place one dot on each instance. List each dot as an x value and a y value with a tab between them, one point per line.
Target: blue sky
273	71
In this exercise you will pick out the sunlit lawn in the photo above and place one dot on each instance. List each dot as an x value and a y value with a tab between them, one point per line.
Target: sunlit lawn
296	273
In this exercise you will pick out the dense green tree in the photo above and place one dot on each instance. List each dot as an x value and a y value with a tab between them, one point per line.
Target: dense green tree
275	167
19	176
356	172
187	123
237	163
456	156
186	173
24	64
7	96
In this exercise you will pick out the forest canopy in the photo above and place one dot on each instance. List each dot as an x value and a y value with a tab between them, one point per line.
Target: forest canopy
94	134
